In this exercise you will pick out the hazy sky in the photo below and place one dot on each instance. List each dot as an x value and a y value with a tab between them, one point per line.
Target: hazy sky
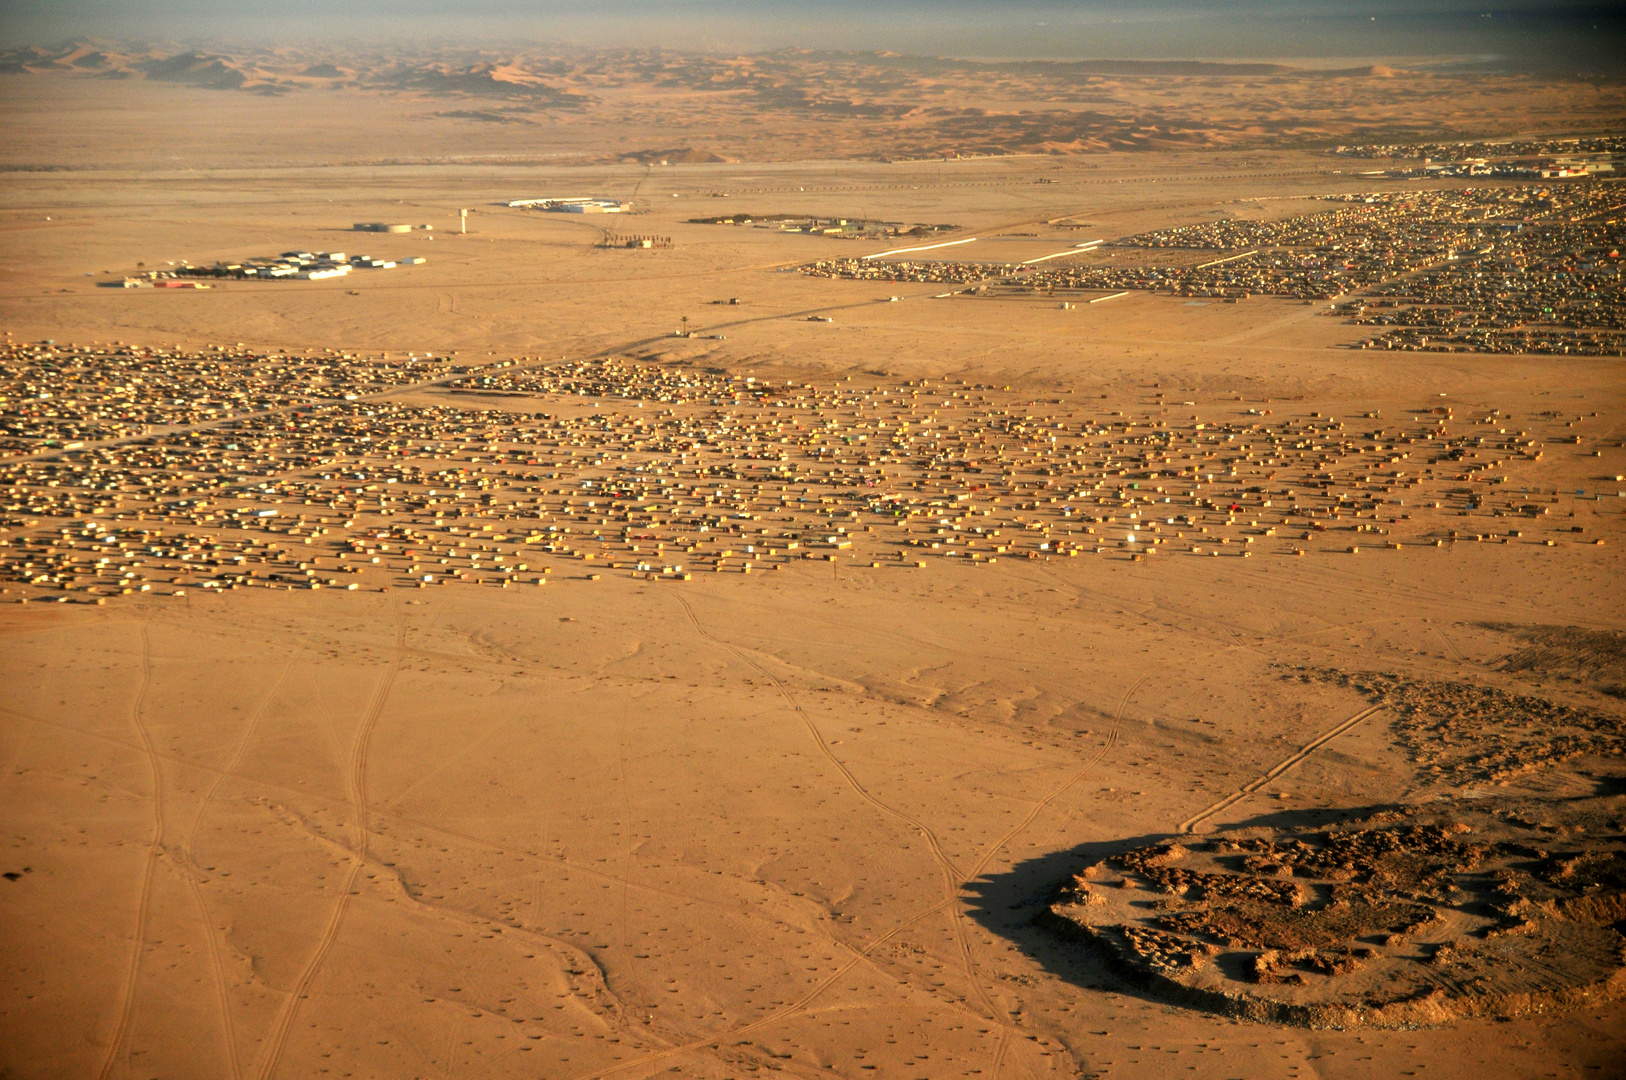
1584	36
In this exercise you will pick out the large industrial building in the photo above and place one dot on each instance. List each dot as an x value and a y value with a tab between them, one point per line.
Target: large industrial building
585	204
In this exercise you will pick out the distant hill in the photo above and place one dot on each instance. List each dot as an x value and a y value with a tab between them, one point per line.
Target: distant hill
682	156
197	69
533	80
483	80
804	103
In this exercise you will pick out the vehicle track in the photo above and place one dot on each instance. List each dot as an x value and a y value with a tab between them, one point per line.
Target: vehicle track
952	880
1158	614
628	850
1038	807
743	913
356	783
857	955
1449	644
144	903
393	804
795	1007
283	1025
437	830
941	857
1276	770
217	966
1253	639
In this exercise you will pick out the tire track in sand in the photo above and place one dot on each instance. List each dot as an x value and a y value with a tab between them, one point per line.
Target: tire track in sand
943	861
190	863
416	823
1052	796
951	876
859	956
1276	770
144	902
356	782
1032	814
1055	793
797	1006
1449	644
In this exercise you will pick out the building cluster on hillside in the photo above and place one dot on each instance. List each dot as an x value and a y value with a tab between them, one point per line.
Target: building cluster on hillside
1557	169
659	472
1501	149
1481	269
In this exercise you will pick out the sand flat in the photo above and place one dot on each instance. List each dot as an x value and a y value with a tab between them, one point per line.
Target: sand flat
654	829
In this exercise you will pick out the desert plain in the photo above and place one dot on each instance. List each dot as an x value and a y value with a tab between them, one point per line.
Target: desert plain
758	671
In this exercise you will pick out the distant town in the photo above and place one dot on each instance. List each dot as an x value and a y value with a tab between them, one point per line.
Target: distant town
1448	269
1535	159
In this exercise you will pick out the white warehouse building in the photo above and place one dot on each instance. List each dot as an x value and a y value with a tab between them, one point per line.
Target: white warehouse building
583	204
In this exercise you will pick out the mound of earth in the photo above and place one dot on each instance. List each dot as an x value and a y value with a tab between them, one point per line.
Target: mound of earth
1459	733
1400	918
1569	653
682	155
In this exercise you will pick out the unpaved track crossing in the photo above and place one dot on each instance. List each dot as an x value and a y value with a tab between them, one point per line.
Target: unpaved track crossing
1276	770
115	1046
357	784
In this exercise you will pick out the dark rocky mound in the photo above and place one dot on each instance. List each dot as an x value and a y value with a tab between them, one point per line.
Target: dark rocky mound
1404	917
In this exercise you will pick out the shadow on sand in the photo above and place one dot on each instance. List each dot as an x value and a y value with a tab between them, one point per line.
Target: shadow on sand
1008	904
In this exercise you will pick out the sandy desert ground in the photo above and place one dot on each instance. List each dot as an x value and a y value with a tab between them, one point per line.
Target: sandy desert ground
804	820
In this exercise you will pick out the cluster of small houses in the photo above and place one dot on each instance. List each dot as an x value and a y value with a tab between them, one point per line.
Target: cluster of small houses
1540	274
1478	269
718	473
58	396
1560	169
1545	342
1527	159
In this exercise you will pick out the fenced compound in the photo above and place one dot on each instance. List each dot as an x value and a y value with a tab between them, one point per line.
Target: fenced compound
617	240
